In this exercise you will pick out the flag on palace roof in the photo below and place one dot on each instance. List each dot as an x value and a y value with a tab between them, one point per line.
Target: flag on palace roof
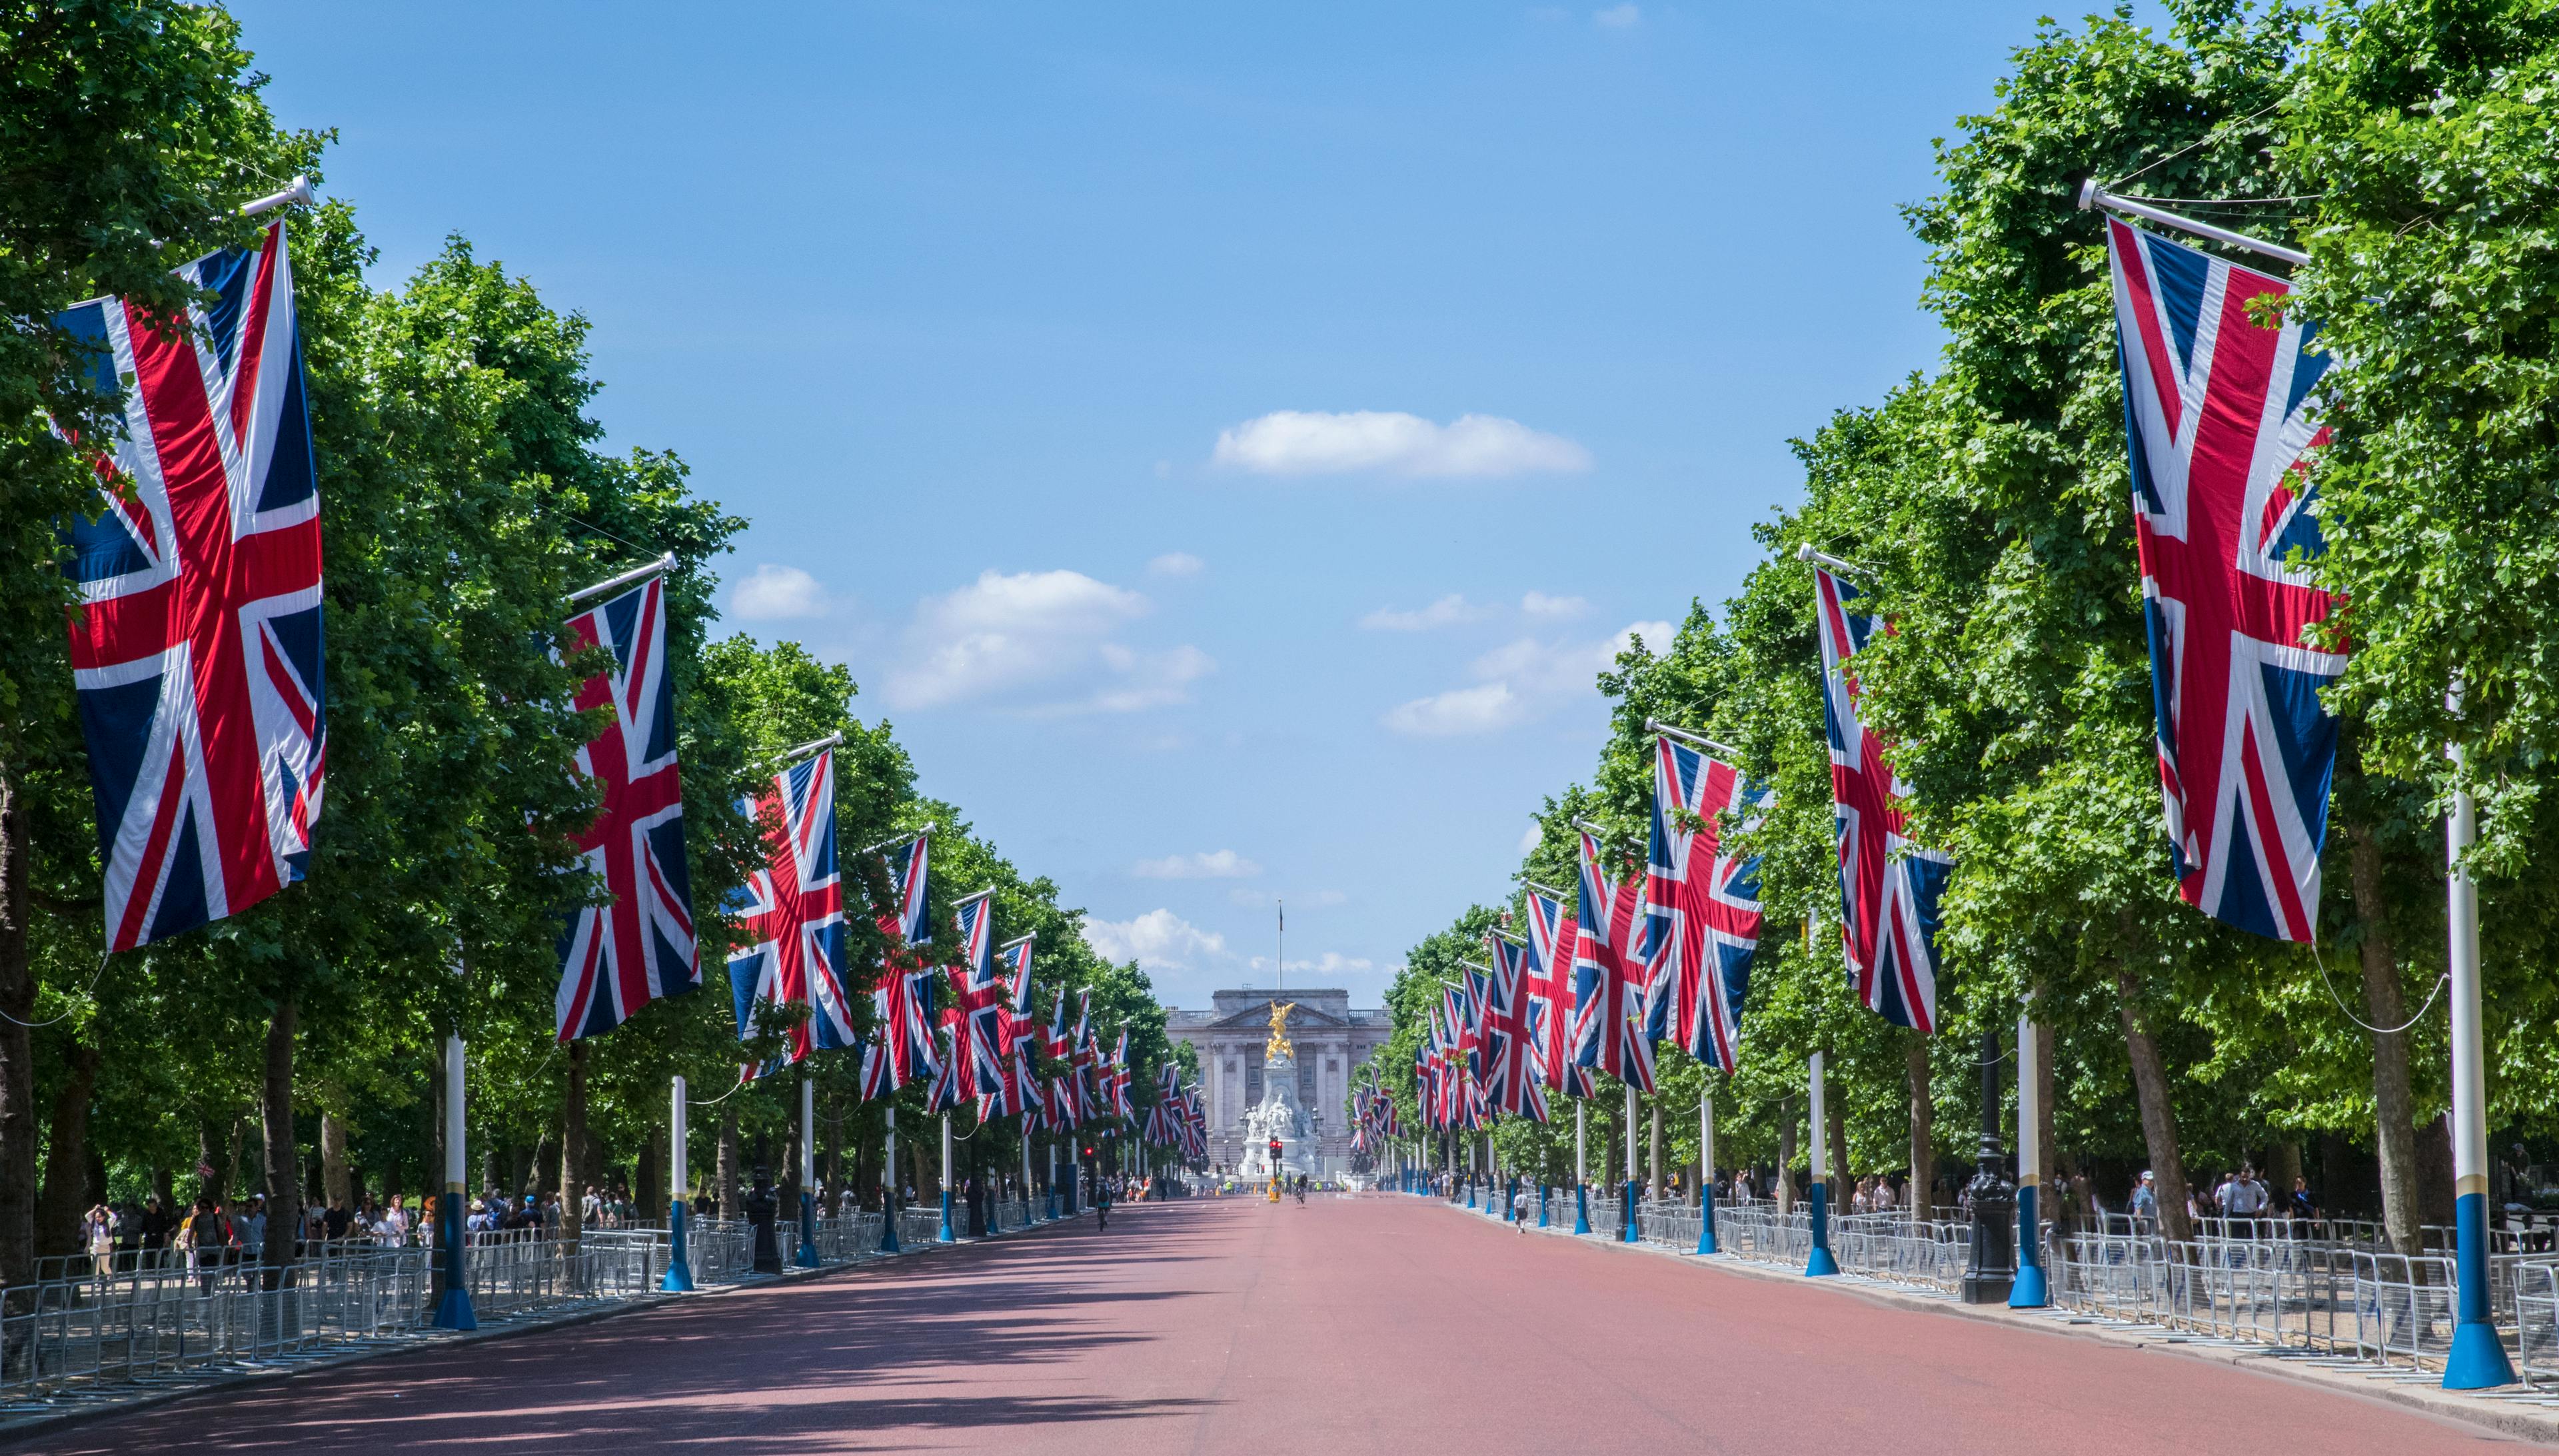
794	907
196	646
1702	901
2221	410
1889	886
638	945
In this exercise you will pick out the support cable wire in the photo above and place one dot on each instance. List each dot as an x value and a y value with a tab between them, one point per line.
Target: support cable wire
95	977
2320	961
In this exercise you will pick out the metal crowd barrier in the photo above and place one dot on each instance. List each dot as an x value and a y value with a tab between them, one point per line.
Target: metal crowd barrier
156	1317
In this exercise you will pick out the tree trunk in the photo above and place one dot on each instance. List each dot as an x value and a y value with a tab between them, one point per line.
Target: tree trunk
1923	1131
1835	1112
283	1193
727	1165
573	1149
17	1058
2158	1114
2393	1119
649	1191
333	1162
1653	1158
59	1206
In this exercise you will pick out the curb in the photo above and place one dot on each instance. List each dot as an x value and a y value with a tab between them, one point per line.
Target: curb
2504	1414
15	1433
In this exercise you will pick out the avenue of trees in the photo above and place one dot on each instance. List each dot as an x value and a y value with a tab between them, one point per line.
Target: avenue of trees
295	1049
2405	146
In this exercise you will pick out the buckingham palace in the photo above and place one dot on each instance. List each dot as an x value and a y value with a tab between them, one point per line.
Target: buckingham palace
1332	1040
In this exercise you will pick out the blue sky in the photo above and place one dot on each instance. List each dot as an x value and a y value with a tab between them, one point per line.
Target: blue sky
1224	441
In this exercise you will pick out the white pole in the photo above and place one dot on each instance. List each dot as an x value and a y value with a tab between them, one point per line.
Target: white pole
1821	1151
1580	1140
2476	1359
1631	1134
2030	1111
888	1168
455	1163
676	1179
809	1136
1705	1135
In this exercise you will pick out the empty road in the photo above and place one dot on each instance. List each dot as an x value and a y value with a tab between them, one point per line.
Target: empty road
1370	1325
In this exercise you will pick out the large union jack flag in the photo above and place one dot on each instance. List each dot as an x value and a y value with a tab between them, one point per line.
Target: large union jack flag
1703	903
2220	414
907	923
794	907
902	1005
618	956
1889	886
1552	935
195	647
1511	1080
1607	979
974	1018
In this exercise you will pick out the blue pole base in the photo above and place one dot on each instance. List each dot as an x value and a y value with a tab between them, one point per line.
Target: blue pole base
453	1311
888	1228
2478	1359
992	1228
807	1258
2031	1290
1581	1209
1541	1205
1706	1222
945	1236
1821	1264
680	1268
1631	1233
1052	1204
1470	1192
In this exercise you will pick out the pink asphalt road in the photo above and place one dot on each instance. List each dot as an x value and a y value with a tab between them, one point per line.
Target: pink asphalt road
1370	1325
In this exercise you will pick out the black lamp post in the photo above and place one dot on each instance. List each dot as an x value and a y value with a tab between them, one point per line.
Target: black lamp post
1993	1197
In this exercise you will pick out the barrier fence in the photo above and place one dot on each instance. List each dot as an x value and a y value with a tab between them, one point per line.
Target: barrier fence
157	1317
2325	1286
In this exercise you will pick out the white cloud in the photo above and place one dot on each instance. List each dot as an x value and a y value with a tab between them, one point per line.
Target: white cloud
1045	636
1446	612
1539	604
1617	17
1460	710
1159	937
1321	441
1532	838
1176	563
1518	680
772	592
1215	864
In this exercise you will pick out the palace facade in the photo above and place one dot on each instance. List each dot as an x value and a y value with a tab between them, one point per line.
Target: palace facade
1332	1039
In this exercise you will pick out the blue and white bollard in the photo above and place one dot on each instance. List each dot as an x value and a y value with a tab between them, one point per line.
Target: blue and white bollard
1580	1207
1540	1203
2478	1360
1633	1232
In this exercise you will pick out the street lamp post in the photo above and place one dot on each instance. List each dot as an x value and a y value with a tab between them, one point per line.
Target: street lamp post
1993	1263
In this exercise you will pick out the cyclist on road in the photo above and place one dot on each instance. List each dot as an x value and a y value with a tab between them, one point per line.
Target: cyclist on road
1102	1204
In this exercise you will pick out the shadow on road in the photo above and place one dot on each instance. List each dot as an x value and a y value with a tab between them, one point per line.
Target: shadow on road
762	1369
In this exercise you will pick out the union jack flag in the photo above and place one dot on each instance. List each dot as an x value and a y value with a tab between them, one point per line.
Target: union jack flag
1552	935
1017	955
976	1033
618	956
195	647
1019	1092
1511	1082
903	1006
907	923
1064	1112
1704	903
1057	1045
1889	886
1117	1075
1608	980
794	908
949	1089
2218	410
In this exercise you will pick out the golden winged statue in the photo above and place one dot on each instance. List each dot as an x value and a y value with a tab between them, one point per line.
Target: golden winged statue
1278	1046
